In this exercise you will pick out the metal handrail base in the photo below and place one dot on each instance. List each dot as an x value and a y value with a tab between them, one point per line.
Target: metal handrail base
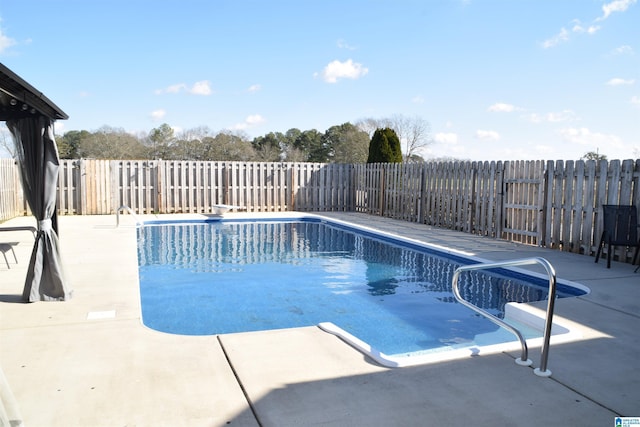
523	360
130	211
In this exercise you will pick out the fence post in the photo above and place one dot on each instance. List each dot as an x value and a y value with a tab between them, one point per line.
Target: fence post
159	186
542	205
500	184
423	193
114	186
291	187
225	184
473	196
381	191
81	174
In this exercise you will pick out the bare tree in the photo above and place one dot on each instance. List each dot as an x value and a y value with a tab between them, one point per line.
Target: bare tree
6	141
369	125
414	132
268	153
294	154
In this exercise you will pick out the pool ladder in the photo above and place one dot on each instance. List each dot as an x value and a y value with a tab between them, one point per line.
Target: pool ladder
524	357
130	211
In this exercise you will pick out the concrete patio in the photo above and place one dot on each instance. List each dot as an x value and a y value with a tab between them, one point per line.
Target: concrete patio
90	361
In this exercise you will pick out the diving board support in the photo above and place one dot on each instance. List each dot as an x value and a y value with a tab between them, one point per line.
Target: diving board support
524	358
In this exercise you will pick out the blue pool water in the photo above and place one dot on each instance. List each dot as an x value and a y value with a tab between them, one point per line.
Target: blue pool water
218	277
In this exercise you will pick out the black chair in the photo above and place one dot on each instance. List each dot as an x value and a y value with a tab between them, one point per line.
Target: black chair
620	228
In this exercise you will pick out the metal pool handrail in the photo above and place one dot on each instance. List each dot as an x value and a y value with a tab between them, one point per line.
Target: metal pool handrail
128	209
523	359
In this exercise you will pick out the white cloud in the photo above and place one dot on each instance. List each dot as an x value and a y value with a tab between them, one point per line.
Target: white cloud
487	135
623	50
502	108
254	88
158	115
419	99
342	70
635	100
562	116
583	136
615	6
202	87
535	118
250	121
553	117
5	42
255	119
592	29
579	28
561	37
447	138
172	89
619	82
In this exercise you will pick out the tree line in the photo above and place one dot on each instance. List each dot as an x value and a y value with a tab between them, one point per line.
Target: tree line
345	143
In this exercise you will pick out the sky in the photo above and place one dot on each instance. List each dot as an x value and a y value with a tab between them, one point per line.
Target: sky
495	79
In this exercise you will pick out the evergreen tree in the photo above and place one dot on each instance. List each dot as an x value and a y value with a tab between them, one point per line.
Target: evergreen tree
385	147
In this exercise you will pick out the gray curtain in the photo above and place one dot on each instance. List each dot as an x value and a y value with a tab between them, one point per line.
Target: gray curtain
38	158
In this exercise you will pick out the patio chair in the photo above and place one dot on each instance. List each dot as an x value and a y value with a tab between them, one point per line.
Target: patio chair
33	230
620	228
6	247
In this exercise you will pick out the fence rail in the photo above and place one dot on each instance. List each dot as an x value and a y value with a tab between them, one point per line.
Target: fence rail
551	204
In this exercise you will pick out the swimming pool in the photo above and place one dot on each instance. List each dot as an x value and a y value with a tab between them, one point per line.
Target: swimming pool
393	296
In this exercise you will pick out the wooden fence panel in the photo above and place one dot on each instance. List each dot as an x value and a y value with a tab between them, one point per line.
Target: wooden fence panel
576	192
299	194
361	188
95	187
489	209
133	184
11	194
392	189
325	187
523	191
67	187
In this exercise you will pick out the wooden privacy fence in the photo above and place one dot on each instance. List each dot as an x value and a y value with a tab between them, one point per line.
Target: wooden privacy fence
91	187
464	196
551	204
